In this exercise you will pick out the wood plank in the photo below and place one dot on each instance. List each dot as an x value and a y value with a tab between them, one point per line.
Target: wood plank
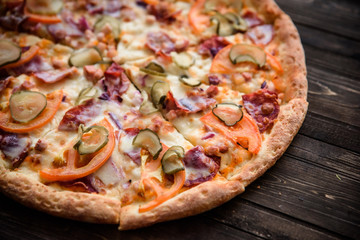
337	16
334	96
335	159
310	194
329	42
267	224
19	222
331	132
330	62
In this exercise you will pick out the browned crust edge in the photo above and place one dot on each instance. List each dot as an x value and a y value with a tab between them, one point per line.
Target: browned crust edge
211	194
194	201
96	208
73	205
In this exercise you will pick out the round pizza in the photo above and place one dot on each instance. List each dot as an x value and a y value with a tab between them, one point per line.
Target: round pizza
137	112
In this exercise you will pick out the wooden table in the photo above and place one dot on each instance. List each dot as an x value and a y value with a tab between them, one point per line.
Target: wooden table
313	192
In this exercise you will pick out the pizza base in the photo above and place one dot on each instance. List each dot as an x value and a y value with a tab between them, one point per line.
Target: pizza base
99	209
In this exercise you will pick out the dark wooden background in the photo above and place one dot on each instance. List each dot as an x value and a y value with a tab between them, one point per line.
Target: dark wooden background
312	192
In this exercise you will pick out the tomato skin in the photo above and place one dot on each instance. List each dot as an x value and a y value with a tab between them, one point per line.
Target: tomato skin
53	103
70	172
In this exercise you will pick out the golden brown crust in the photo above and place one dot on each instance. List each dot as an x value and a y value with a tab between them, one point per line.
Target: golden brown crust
74	205
96	208
288	123
193	201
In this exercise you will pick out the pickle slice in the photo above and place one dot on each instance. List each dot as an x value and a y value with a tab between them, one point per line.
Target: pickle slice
159	91
228	113
91	139
172	160
9	52
26	105
85	56
150	141
247	53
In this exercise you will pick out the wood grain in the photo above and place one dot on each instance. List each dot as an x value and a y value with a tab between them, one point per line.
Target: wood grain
313	190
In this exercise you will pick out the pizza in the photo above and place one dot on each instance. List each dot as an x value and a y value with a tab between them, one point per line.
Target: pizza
138	112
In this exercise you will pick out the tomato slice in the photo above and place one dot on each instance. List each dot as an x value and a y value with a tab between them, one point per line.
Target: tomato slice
42	18
71	172
197	20
25	57
162	194
245	132
53	102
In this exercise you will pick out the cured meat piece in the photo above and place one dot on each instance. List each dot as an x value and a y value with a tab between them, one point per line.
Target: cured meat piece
261	35
252	19
212	45
15	147
199	167
160	42
37	64
263	106
115	83
3	83
55	75
163	12
191	104
80	114
92	73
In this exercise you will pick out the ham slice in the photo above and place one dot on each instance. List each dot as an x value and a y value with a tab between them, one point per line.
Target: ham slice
53	76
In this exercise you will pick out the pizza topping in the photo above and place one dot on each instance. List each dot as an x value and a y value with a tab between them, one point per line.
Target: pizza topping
154	69
252	19
115	83
160	43
183	60
172	160
261	35
263	106
146	106
55	75
163	11
92	73
162	194
36	64
9	52
86	94
245	132
40	145
15	147
212	45
71	171
229	113
189	81
108	22
53	102
247	53
80	114
159	91
213	79
44	7
86	56
91	139
228	24
199	167
26	105
150	141
25	57
192	104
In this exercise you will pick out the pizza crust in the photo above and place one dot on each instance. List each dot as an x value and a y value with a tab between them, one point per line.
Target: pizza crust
74	205
97	208
193	201
213	193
